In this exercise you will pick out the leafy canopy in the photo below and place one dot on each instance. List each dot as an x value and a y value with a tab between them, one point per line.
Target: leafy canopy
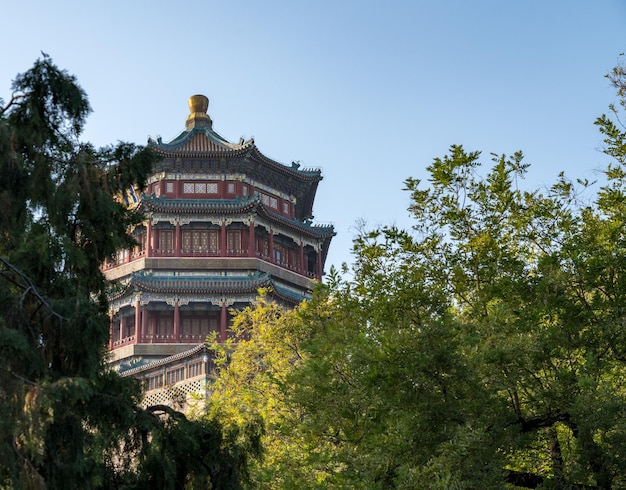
484	348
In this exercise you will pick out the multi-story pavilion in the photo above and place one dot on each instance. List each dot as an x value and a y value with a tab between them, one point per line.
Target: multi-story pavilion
222	221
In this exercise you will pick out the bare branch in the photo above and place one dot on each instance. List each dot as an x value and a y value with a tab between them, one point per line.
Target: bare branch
27	285
15	98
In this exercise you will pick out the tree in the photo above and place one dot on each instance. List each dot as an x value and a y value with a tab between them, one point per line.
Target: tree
250	396
485	348
67	421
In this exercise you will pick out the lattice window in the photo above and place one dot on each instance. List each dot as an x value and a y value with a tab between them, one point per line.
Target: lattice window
175	375
234	241
122	256
263	247
186	327
273	203
199	241
294	258
195	369
195	327
169	187
186	241
164	327
166	240
285	207
265	199
211	188
200	188
231	187
279	254
213	241
188	187
155	382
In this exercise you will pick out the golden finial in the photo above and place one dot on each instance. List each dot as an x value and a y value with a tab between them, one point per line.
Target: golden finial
198	117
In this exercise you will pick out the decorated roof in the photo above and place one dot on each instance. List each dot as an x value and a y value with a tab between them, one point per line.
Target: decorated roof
152	203
200	349
200	284
201	149
253	203
193	285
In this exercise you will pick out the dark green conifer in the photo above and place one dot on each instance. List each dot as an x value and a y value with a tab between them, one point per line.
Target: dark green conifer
65	420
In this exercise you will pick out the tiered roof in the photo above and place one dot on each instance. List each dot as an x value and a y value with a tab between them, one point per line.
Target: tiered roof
244	205
206	285
201	149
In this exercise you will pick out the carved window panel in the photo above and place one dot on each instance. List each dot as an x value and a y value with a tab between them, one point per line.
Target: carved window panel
166	240
196	241
186	236
200	241
213	241
186	327
175	375
195	327
294	258
262	246
164	327
154	382
279	254
234	240
195	369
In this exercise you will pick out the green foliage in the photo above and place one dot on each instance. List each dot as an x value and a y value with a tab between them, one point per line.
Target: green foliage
67	422
485	348
249	396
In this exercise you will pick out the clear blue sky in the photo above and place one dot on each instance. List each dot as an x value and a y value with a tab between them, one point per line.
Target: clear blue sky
369	91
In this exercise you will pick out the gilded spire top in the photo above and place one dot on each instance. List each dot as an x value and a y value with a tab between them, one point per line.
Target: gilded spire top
198	117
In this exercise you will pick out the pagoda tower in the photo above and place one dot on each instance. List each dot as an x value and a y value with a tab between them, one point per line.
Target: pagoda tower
222	220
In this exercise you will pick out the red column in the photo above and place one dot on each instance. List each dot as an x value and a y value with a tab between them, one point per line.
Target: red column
144	322
271	247
148	239
251	240
302	264
223	322
176	321
138	329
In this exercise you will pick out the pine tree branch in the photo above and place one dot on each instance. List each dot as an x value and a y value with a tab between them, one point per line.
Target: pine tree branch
22	281
14	100
155	409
